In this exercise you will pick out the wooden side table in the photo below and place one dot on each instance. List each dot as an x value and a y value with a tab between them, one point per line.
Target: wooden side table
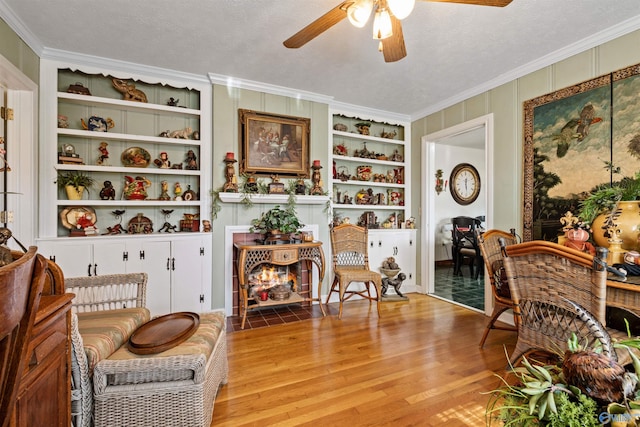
250	256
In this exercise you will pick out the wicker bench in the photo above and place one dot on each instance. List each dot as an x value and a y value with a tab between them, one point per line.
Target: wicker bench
123	387
177	387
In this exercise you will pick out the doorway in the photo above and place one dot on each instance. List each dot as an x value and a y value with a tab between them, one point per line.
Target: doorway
470	142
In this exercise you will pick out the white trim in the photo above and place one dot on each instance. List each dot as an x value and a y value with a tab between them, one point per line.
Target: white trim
427	180
272	198
233	82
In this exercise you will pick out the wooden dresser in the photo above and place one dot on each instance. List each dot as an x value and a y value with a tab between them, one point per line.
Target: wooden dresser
44	398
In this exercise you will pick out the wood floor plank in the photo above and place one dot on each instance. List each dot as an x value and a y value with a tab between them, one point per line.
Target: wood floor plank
418	364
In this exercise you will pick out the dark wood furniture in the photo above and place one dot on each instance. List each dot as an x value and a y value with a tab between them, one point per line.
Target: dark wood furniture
251	256
465	245
44	395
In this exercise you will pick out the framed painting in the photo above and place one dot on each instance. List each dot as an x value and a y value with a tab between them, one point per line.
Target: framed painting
274	144
576	139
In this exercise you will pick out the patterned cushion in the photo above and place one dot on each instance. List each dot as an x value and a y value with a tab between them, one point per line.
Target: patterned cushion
203	341
103	332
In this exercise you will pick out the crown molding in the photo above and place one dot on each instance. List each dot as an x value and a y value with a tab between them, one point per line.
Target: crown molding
16	24
590	42
234	82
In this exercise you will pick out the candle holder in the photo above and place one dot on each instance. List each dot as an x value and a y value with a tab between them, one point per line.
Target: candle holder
316	179
231	186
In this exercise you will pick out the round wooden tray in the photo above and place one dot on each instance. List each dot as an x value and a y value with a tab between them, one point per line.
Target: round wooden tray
163	333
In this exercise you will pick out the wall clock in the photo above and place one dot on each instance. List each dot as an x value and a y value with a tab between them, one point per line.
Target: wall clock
464	183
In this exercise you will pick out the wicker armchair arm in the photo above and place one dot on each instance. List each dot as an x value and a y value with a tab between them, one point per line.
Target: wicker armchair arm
146	370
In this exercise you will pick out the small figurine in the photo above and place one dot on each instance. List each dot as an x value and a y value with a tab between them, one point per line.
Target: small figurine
63	121
231	186
301	187
5	252
103	159
181	133
172	102
164	195
396	283
167	227
191	161
206	225
316	178
177	190
136	188
163	161
129	91
108	192
116	229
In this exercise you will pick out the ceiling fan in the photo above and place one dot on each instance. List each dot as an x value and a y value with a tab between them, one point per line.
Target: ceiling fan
386	25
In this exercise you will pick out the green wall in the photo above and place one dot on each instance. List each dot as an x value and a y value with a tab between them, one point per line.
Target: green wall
16	51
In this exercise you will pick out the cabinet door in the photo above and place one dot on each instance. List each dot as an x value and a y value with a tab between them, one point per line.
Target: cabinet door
399	244
75	259
188	276
157	264
109	258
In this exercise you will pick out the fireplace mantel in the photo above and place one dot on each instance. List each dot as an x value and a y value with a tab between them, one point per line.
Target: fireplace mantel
272	198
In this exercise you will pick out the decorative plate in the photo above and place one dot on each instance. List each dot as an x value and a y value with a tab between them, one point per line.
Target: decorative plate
135	157
70	216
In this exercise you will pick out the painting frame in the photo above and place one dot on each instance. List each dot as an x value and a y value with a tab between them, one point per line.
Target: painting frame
616	124
274	144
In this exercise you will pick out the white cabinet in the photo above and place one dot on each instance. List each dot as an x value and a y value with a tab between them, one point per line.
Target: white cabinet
399	244
371	169
178	267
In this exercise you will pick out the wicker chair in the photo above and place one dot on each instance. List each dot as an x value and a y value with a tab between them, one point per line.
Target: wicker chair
552	287
351	264
492	255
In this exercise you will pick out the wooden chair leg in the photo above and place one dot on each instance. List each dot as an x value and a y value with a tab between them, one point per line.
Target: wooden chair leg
497	311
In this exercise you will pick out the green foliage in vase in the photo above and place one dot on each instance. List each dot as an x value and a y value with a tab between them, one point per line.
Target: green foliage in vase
604	198
75	179
284	220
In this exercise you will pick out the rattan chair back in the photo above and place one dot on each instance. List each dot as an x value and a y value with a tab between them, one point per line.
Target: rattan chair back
552	286
492	255
349	245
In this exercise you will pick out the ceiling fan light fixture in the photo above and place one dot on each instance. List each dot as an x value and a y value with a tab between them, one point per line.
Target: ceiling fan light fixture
358	13
382	25
401	8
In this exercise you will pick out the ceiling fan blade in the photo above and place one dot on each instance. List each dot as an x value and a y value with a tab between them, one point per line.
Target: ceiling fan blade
393	47
496	3
318	26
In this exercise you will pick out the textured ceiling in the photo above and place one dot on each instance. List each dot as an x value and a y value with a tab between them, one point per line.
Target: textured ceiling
452	49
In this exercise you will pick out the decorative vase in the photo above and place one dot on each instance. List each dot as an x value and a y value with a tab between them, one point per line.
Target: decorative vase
626	218
74	193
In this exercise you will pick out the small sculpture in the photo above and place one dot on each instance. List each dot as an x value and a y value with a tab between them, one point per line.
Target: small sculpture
107	192
129	91
5	252
167	227
136	188
206	225
98	124
231	186
177	190
301	187
162	161
316	179
164	195
116	229
103	159
181	133
173	102
191	161
63	122
396	283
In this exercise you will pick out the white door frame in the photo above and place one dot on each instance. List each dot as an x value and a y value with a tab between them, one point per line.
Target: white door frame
22	139
427	180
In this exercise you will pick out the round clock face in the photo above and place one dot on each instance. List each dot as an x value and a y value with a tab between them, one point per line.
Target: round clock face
465	183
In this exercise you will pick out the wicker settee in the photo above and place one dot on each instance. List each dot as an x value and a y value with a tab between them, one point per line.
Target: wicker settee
112	386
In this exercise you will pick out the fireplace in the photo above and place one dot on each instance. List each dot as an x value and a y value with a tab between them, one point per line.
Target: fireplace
295	277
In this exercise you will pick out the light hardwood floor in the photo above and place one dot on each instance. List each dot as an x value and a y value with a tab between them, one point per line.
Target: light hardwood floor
418	365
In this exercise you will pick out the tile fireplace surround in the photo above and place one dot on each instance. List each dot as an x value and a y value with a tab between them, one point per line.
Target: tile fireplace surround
241	234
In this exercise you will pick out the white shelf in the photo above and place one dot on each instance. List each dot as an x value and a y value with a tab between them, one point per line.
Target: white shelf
368	207
365	161
79	133
124	105
116	203
128	170
367	137
272	198
367	183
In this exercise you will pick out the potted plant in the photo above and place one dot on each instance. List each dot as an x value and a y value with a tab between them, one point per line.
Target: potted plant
613	206
75	182
277	221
